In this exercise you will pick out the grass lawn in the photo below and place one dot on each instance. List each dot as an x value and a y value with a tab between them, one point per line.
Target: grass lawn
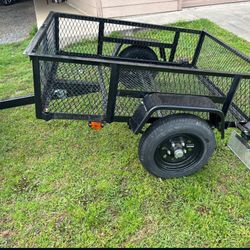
64	185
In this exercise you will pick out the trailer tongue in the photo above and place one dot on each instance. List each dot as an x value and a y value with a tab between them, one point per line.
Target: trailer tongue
17	102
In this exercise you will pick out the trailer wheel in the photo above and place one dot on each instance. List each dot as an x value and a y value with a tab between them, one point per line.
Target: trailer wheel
133	78
176	146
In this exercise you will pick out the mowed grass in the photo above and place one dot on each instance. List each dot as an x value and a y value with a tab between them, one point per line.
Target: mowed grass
64	185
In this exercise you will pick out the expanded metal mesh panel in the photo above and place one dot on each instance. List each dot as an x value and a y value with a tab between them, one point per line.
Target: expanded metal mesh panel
214	56
186	47
242	97
176	83
126	106
187	43
78	36
135	34
83	89
169	82
74	88
141	33
48	43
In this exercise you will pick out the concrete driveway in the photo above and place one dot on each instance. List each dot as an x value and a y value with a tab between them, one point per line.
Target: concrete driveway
234	17
16	21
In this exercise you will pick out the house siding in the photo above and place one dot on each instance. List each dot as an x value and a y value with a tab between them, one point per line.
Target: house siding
121	8
88	7
118	8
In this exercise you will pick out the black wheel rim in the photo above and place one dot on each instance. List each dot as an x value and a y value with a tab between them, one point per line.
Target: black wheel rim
179	151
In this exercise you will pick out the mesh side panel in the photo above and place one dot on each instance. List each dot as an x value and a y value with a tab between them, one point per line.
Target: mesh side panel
109	49
78	36
213	56
82	89
132	32
177	83
48	44
135	33
185	48
126	106
74	88
81	37
168	82
242	97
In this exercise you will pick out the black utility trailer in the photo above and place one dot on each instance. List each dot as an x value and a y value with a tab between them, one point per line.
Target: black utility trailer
183	82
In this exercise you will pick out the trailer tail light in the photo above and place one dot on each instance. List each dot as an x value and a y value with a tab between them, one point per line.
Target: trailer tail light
96	125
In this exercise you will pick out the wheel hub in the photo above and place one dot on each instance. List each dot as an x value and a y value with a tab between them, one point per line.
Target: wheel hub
178	153
178	150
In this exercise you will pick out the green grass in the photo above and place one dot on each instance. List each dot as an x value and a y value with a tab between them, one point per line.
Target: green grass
64	185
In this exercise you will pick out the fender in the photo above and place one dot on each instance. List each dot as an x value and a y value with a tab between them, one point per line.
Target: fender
156	101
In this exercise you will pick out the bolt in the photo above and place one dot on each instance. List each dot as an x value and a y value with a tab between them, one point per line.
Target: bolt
185	151
183	144
169	152
165	156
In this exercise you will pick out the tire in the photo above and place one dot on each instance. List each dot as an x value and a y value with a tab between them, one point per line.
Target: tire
176	146
135	78
7	2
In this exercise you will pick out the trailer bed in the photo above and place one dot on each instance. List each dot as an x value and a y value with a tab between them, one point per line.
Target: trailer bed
74	58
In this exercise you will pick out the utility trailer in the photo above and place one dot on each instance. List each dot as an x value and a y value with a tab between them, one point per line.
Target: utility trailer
182	82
